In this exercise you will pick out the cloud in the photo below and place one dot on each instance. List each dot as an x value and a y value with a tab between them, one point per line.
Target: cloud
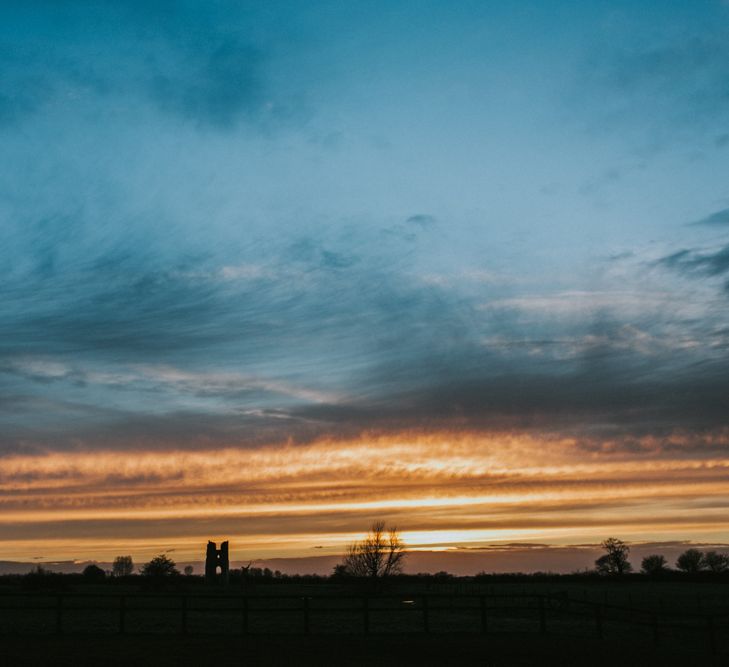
698	261
421	220
227	384
21	93
159	330
332	333
698	62
217	86
582	302
718	218
670	88
444	489
199	66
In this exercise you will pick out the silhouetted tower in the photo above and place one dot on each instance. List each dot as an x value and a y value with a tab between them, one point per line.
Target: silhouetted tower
217	558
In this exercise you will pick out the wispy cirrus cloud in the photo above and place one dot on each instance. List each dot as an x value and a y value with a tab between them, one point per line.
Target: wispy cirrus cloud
672	85
458	490
699	262
718	218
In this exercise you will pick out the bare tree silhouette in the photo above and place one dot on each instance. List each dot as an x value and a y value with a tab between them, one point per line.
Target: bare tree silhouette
123	566
615	560
380	554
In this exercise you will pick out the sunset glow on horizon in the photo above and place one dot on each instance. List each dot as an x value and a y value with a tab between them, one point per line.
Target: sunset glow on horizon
455	491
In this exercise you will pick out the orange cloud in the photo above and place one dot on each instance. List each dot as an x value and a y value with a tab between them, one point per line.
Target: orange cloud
442	489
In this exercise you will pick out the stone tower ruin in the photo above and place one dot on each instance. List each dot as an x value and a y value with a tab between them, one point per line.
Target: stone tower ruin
217	558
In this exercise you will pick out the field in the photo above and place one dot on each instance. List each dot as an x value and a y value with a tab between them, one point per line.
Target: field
558	620
491	651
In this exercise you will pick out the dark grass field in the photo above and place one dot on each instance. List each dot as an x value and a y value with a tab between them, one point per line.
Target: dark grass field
453	649
527	623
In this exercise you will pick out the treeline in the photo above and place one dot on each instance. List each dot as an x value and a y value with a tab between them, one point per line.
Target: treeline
45	580
379	557
42	579
692	561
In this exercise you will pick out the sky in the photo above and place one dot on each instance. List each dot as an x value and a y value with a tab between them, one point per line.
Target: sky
271	271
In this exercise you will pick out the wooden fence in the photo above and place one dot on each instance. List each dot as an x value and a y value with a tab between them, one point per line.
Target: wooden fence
552	613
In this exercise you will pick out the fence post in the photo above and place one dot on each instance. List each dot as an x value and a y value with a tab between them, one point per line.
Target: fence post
598	621
484	617
366	614
59	614
306	615
184	615
542	616
122	613
712	634
426	616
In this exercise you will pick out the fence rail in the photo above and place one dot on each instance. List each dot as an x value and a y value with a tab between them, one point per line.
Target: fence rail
546	612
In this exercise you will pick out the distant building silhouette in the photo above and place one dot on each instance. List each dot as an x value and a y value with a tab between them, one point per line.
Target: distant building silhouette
217	558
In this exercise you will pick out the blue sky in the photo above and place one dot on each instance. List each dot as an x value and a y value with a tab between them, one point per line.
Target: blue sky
356	201
253	223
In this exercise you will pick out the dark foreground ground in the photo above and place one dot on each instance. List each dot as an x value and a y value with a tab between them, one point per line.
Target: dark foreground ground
642	623
501	651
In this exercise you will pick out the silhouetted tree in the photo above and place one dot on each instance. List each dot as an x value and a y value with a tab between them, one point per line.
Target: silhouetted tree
690	561
189	569
160	566
716	562
94	573
654	564
340	571
615	560
123	566
380	554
